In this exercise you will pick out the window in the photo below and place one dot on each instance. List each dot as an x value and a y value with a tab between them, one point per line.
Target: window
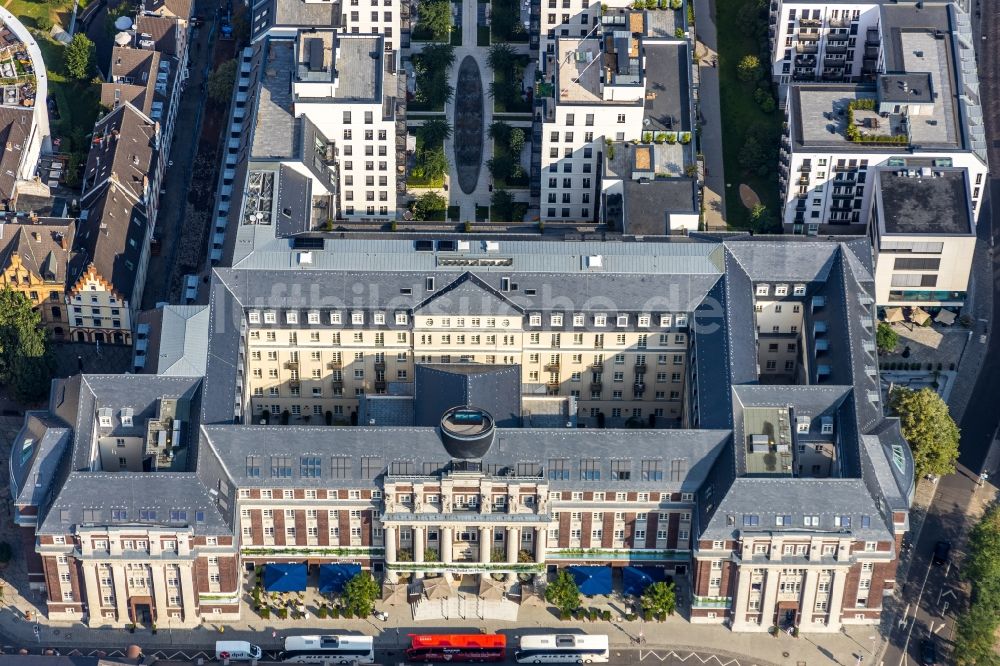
810	521
621	470
651	470
558	469
590	469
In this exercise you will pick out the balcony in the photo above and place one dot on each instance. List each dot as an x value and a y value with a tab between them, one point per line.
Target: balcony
834	63
380	385
291	365
597	367
379	366
335	365
640	368
838	49
596	386
639	389
808	36
337	384
551	367
810	22
841	22
812	48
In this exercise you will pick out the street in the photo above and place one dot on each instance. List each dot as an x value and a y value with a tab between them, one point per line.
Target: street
619	657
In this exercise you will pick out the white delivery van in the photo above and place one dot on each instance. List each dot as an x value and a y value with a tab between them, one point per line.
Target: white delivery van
236	651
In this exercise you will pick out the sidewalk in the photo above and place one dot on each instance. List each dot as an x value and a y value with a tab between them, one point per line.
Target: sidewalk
979	306
675	634
710	118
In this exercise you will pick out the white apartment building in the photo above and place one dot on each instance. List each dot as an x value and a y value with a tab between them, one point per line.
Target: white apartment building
921	112
924	236
284	18
601	94
819	41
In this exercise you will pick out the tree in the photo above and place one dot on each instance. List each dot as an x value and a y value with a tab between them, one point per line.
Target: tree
44	23
974	636
502	205
79	57
25	361
929	429
516	141
976	627
748	68
498	555
758	215
427	204
434	132
431	165
501	58
886	338
435	18
501	167
563	592
221	82
500	132
360	594
659	598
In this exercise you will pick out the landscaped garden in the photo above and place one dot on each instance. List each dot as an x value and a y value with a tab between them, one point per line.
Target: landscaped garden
430	162
505	22
77	98
431	67
751	130
505	166
503	208
508	80
434	22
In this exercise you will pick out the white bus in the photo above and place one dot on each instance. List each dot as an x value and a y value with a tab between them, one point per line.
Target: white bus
563	649
328	649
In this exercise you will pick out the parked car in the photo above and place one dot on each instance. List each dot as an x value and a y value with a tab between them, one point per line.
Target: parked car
941	551
928	652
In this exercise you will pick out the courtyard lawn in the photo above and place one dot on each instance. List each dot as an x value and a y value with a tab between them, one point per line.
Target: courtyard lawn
741	117
78	102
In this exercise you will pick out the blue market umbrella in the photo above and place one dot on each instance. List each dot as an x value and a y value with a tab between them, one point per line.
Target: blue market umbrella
635	580
285	578
592	580
333	577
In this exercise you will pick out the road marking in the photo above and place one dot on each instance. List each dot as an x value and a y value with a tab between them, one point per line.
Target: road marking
643	654
938	628
920	595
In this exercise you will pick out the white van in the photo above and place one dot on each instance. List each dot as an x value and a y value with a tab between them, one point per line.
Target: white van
236	651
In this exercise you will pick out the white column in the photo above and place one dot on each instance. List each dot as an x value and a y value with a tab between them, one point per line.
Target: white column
418	548
513	548
188	594
485	544
740	608
540	537
389	538
159	591
513	544
121	591
767	606
447	544
808	603
837	597
93	594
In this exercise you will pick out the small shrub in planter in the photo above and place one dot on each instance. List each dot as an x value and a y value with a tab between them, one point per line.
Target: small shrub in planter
661	616
265	612
335	612
322	612
565	615
283	613
647	616
606	615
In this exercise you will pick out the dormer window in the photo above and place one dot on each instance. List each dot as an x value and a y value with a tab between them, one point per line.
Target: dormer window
357	317
291	317
535	320
762	290
126	416
622	321
104	417
270	317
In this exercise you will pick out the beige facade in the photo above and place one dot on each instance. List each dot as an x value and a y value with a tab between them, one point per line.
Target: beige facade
140	574
328	361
